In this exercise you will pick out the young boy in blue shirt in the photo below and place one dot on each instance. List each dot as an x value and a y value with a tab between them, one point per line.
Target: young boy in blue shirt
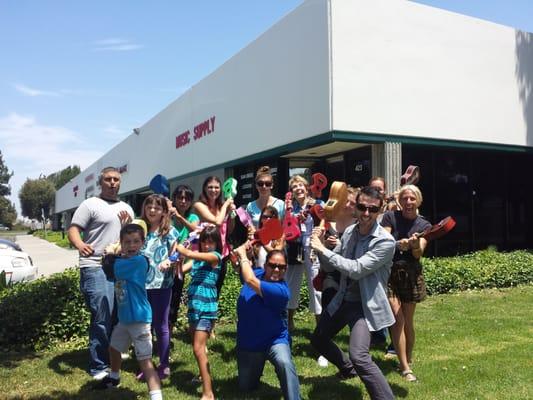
134	312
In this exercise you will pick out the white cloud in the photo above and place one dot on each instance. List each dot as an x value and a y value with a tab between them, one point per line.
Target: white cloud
115	44
115	133
30	149
28	91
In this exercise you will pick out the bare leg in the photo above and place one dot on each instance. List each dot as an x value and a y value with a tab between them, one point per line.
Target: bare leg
408	310
398	334
150	374
115	359
199	345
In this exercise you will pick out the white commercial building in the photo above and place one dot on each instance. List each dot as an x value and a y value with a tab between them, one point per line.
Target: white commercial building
355	88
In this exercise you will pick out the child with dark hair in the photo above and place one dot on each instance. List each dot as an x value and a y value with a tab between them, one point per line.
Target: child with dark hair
261	250
185	221
203	305
129	272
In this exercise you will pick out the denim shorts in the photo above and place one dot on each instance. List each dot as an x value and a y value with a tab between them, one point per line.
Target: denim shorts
203	324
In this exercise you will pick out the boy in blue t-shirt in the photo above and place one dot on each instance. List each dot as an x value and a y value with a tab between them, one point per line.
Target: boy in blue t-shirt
134	311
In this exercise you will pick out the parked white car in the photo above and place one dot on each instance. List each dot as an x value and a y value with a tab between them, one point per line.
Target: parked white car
17	264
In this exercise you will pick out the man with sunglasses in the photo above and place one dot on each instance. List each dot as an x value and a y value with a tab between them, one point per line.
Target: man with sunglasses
364	258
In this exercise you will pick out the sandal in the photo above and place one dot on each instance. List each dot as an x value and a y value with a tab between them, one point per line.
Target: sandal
409	376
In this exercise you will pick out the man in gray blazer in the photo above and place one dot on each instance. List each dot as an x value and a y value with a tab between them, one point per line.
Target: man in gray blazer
364	258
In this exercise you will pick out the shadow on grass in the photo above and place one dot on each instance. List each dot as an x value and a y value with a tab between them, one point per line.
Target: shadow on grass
229	389
65	363
326	387
86	392
12	360
225	353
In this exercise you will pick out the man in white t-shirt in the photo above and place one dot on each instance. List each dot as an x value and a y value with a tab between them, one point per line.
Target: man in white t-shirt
99	219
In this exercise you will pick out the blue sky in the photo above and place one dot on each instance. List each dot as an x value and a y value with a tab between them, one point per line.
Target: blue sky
76	77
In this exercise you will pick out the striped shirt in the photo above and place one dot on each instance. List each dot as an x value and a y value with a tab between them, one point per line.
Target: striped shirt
202	290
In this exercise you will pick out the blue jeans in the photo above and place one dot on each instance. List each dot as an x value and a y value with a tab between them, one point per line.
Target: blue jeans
251	363
99	298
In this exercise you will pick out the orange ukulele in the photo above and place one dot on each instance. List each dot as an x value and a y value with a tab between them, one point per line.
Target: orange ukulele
338	195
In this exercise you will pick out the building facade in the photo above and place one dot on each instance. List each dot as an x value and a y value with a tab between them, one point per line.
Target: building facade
352	89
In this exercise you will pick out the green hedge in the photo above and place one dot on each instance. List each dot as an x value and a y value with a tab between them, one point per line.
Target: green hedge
38	314
482	269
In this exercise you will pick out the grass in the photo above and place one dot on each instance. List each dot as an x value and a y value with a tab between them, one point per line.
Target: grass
470	345
58	238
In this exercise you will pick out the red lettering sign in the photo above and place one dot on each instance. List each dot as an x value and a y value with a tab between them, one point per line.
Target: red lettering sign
183	139
201	130
89	178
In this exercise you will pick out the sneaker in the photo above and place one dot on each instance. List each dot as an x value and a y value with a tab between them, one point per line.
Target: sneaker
163	372
100	375
197	380
322	362
108	383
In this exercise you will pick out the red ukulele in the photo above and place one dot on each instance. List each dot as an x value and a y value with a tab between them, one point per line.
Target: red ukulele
271	230
290	222
438	230
319	182
411	176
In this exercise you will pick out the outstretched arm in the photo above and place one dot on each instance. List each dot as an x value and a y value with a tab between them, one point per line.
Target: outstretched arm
247	272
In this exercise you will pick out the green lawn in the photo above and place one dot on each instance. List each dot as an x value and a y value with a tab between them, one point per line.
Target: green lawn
470	345
58	238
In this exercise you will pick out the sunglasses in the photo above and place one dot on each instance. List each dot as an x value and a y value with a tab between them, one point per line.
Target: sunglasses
281	267
370	209
264	184
267	216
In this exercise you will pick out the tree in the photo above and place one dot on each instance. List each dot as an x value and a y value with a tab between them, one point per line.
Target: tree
61	177
8	214
36	195
5	176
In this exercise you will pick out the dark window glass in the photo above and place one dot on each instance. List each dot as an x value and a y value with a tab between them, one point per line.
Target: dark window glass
358	164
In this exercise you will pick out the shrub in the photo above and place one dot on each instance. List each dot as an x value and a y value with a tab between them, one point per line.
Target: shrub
482	269
37	314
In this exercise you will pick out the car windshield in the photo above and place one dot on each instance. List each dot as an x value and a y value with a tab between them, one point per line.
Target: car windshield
5	244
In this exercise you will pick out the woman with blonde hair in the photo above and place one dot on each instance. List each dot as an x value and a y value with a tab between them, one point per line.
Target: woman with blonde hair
406	285
299	253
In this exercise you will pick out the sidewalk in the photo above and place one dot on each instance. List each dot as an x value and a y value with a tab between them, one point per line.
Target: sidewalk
48	257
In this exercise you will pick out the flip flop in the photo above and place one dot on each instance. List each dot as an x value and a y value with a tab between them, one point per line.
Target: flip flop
409	376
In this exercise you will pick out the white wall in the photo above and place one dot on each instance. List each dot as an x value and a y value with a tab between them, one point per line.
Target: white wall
274	92
403	68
